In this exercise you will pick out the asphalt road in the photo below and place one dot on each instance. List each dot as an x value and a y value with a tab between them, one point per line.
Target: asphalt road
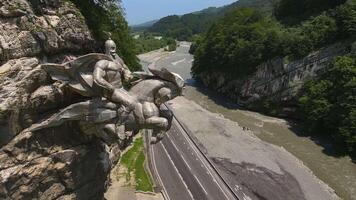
179	61
183	171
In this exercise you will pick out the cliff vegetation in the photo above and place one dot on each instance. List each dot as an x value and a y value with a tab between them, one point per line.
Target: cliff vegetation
328	104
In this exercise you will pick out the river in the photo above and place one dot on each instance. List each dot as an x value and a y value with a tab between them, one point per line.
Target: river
339	172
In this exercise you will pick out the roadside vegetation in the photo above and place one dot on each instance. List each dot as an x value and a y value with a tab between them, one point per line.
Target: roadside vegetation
146	42
133	160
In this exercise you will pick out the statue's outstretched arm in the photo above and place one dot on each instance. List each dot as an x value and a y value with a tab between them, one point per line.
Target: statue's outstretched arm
127	75
99	76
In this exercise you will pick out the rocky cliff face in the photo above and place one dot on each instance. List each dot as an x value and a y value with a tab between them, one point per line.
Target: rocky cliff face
278	80
58	163
41	28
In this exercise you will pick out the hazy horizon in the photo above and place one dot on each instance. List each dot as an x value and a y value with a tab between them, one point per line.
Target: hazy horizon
141	11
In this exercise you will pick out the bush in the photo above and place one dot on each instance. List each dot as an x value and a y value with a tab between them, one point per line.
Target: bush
148	42
328	105
172	44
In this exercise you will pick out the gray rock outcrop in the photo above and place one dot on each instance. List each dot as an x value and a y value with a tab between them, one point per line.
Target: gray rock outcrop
41	28
278	80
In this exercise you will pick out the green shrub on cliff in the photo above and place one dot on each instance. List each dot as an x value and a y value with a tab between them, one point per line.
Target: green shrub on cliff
106	16
328	105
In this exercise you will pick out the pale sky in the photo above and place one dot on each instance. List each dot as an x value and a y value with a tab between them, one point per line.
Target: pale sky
140	11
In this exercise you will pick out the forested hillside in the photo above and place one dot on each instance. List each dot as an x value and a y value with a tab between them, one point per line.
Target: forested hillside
245	38
185	26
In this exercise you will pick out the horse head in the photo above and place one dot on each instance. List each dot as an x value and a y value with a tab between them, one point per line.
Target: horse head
158	86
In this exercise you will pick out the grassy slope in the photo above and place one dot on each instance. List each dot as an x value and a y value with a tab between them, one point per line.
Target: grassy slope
134	160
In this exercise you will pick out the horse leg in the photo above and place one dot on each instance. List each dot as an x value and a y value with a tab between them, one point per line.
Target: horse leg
168	114
159	126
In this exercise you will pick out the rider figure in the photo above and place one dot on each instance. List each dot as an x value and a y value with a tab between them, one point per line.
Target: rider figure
108	77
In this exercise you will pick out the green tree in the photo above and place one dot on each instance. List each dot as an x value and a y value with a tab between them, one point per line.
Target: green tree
147	42
106	16
237	43
328	105
295	11
345	16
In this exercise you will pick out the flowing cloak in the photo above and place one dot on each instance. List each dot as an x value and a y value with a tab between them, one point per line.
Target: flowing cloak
78	73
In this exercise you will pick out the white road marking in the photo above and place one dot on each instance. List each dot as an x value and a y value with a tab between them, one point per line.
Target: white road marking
156	171
200	184
186	163
245	197
185	45
177	62
180	176
192	145
175	146
236	188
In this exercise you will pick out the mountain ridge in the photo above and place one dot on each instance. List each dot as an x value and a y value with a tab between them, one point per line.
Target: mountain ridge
183	27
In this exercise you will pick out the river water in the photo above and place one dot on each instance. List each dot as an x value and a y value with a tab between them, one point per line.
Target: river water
339	172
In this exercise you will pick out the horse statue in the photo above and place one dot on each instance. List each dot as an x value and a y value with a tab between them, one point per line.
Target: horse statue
112	121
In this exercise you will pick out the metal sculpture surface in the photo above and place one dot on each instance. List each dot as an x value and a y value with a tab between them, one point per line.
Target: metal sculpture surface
111	112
